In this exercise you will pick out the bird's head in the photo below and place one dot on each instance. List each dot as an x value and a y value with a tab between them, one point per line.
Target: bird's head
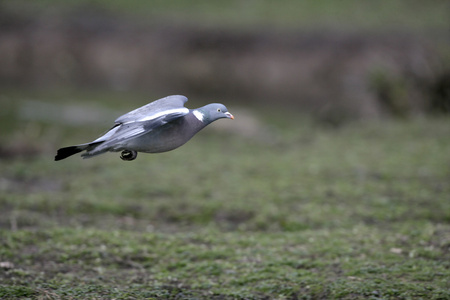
212	112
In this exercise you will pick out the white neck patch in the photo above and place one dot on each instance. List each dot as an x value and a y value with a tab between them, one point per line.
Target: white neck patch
198	115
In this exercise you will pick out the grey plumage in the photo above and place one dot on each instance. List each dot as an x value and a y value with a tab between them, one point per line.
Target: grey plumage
159	126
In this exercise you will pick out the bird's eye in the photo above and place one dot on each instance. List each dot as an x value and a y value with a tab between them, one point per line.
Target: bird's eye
219	110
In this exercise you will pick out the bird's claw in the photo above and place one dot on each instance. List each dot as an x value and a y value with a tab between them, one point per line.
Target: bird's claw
128	155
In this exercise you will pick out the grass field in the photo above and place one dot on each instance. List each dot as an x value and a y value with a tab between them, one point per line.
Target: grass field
356	212
353	15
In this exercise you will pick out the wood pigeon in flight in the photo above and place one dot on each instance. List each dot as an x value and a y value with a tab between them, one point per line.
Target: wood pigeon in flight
159	126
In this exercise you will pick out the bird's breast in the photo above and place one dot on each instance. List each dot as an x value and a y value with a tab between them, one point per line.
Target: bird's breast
167	137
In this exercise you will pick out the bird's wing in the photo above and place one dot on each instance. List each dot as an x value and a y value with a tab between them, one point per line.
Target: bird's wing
170	105
127	130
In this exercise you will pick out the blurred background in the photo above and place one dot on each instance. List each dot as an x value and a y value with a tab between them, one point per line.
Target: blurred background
287	70
333	60
331	182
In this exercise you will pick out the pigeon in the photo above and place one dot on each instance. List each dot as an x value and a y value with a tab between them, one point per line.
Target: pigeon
159	126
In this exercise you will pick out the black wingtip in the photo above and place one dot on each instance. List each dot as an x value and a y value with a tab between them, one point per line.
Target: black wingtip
66	152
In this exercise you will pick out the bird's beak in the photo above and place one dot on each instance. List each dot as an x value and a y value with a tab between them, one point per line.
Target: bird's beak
230	116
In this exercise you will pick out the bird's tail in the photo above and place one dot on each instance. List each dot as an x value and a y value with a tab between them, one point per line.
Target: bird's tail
71	150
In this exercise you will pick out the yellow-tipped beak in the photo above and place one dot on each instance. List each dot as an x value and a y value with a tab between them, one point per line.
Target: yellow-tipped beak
229	115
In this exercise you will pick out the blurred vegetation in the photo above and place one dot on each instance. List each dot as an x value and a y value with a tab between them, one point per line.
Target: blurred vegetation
332	181
286	14
338	61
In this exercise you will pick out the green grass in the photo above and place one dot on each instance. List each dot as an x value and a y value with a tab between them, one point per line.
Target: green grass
357	212
291	14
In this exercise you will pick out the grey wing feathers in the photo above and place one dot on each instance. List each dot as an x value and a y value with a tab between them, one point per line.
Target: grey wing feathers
144	119
122	133
131	130
155	108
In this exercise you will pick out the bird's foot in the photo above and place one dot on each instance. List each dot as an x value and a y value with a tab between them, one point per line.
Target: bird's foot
128	155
